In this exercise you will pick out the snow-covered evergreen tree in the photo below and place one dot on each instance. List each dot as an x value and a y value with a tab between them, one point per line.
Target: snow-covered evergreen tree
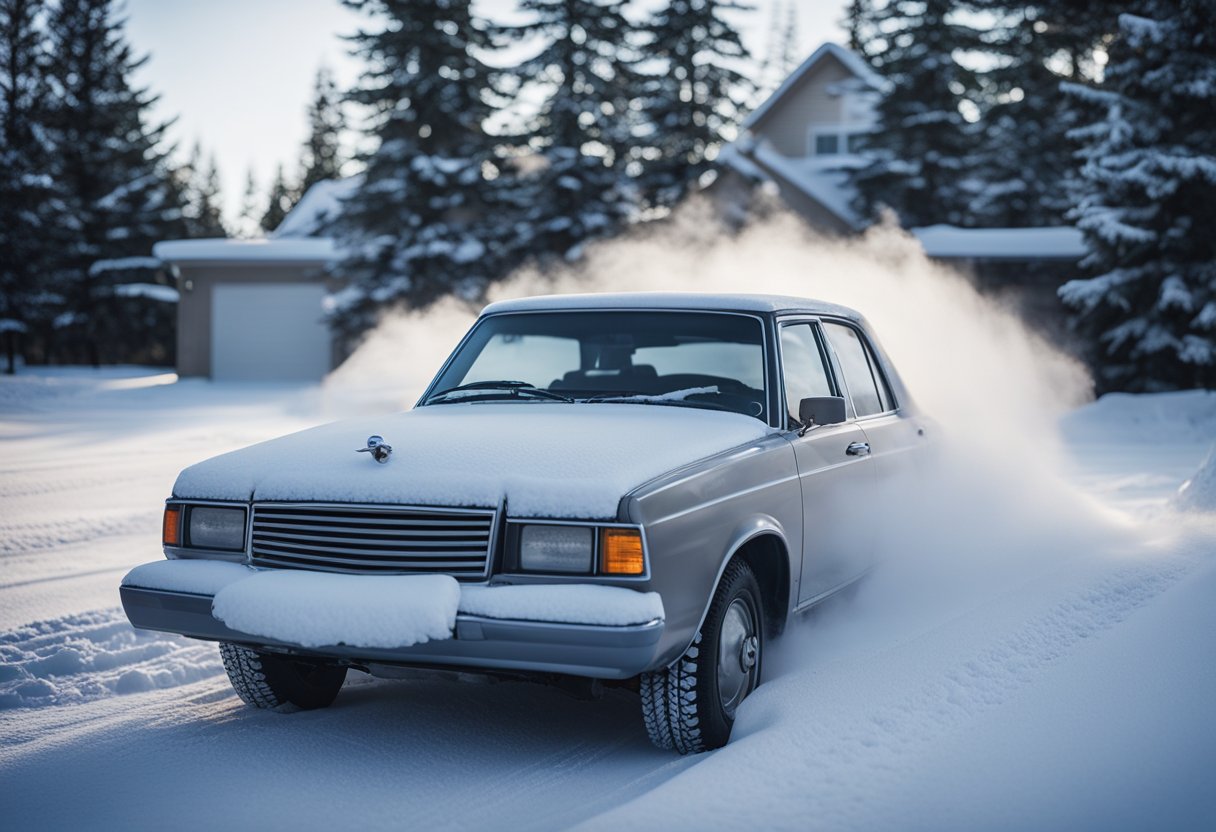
696	96
855	21
247	222
1149	302
417	226
28	192
585	129
1024	158
922	145
198	183
281	199
322	158
118	188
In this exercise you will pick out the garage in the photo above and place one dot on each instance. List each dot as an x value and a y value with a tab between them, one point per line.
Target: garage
278	325
252	310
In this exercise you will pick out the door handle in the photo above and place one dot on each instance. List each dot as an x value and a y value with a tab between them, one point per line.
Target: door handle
858	449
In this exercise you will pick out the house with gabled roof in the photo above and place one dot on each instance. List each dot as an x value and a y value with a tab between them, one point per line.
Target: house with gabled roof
804	140
803	137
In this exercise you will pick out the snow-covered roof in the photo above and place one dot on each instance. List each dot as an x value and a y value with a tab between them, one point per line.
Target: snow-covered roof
317	209
302	250
853	62
822	178
1050	243
671	300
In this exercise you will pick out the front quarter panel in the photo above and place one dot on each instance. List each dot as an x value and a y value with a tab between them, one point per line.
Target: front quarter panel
697	517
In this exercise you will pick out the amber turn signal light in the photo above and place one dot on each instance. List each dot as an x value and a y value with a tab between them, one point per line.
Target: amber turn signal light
171	529
622	552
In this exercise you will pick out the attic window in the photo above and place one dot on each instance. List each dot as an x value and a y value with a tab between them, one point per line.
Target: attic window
835	140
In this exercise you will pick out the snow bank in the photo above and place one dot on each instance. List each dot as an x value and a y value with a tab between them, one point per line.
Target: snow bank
1183	416
548	459
95	655
570	604
200	577
1199	492
317	609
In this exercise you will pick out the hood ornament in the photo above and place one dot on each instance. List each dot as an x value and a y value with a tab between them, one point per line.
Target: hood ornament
378	448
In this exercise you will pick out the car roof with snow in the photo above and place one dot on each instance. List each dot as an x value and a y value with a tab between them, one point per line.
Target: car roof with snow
673	300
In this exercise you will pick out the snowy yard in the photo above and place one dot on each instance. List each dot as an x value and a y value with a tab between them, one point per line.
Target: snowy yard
1043	658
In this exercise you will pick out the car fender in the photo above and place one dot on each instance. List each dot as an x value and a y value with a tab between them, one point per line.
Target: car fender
746	531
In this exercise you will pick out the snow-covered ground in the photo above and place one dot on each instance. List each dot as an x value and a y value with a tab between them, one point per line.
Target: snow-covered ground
1040	657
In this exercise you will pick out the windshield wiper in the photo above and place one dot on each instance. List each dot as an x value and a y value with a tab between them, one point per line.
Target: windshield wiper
617	399
516	388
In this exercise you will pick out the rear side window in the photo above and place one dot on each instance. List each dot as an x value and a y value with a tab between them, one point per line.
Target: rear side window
859	373
806	376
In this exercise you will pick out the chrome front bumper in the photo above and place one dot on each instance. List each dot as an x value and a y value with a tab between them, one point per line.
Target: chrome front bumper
596	651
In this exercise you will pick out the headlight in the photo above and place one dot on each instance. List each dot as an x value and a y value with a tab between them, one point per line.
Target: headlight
210	527
556	548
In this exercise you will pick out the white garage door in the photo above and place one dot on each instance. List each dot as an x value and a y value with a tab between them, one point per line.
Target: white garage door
268	332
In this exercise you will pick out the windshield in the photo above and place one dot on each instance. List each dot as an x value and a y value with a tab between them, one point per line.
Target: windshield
690	359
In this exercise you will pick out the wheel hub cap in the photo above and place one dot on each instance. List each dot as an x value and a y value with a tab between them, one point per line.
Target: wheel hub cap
747	656
738	654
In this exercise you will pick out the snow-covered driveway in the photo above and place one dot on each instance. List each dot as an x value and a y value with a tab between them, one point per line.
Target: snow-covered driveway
1031	668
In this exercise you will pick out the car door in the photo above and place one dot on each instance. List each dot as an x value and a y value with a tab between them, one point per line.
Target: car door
835	475
891	436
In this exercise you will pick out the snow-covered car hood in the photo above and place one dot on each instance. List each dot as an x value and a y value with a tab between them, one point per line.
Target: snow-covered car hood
548	459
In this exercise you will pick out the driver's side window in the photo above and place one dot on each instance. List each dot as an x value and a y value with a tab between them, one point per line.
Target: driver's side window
804	367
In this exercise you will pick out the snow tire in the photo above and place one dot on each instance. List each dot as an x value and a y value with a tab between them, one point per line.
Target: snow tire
682	705
280	683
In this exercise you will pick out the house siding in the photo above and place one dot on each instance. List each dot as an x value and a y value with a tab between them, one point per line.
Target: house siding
808	103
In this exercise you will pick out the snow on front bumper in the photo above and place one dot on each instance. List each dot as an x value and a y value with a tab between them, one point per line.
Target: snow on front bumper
585	630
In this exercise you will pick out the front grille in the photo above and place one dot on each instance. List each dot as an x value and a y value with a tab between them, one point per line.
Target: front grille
374	539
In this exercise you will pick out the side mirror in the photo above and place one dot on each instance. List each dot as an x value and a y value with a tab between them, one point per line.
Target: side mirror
821	410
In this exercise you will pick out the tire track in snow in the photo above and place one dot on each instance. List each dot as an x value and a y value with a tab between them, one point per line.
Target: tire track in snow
19	537
850	732
94	655
25	482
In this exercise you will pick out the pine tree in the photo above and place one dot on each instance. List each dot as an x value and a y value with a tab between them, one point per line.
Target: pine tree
921	147
585	129
322	157
118	190
856	16
199	194
1024	157
248	224
698	95
418	223
1149	167
780	50
281	199
28	192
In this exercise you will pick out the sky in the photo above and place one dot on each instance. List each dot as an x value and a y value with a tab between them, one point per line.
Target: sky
236	75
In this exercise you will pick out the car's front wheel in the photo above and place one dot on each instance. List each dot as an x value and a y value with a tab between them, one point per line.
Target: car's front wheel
280	683
690	706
